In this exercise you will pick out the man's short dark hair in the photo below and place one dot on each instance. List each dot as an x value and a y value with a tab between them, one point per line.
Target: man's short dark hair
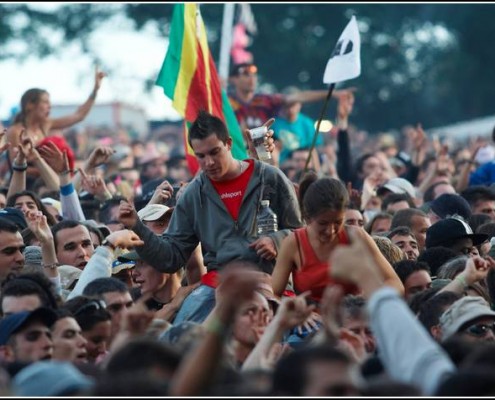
474	194
404	217
435	257
98	287
207	124
393	198
65	224
402	231
431	310
7	226
405	268
35	283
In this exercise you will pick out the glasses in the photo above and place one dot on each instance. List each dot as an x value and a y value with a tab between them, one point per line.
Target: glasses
116	307
480	330
93	305
248	70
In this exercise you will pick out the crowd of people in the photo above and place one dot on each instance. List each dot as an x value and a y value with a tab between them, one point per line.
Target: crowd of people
123	275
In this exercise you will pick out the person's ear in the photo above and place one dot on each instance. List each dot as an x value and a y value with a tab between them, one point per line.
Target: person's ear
6	353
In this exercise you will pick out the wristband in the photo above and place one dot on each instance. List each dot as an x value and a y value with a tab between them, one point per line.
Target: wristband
51	266
20	168
107	243
66	172
462	280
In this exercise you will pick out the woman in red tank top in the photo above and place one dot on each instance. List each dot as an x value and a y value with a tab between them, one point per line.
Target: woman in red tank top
306	251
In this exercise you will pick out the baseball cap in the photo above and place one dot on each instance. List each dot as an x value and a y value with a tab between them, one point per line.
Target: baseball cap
467	308
14	215
105	230
14	322
50	378
153	212
130	256
485	154
449	204
121	263
397	185
452	228
32	256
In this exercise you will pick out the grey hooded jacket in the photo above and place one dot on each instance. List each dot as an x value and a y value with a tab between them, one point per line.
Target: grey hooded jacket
201	216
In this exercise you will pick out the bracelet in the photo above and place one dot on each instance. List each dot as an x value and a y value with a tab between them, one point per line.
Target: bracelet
216	327
51	266
462	280
19	169
66	172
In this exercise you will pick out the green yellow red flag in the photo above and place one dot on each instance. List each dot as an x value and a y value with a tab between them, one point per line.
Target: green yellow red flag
190	79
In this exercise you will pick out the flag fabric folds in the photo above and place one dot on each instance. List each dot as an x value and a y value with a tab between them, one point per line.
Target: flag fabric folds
190	79
345	62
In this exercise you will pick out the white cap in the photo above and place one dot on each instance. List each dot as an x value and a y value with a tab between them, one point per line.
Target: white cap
153	212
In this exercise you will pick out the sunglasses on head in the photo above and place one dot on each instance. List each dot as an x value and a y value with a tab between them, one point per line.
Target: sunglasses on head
480	330
93	305
248	70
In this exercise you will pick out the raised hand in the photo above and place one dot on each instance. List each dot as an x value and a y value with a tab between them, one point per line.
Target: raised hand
26	146
128	214
99	75
6	145
269	142
162	193
54	157
95	185
100	155
38	224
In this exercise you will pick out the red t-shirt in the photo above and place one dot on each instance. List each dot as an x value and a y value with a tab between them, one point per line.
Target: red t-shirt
232	191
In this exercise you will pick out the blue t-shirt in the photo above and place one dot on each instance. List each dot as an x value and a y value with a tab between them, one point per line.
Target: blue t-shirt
295	135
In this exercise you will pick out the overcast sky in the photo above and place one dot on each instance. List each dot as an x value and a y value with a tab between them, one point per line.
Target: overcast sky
69	77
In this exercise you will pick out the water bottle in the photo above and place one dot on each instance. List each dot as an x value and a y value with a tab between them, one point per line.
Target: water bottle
267	219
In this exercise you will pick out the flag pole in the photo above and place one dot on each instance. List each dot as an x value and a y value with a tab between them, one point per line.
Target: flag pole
317	130
226	40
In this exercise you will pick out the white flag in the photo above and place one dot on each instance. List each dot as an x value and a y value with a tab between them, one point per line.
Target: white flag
345	62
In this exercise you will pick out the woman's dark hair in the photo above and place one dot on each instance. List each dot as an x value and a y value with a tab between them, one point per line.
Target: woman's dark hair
37	200
320	194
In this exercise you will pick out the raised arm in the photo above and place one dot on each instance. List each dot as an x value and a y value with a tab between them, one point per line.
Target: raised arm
83	110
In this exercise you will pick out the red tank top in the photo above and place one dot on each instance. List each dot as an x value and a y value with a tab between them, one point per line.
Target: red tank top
314	274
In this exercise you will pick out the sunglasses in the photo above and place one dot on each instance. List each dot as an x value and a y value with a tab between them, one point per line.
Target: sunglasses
116	307
248	70
93	305
480	330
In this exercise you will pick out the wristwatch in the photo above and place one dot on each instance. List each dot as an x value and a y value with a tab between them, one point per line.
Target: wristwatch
107	243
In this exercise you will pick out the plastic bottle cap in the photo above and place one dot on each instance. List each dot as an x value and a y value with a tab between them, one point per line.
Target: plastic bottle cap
265	202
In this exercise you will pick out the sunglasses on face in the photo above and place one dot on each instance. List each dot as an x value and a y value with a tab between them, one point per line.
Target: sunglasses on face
480	330
248	70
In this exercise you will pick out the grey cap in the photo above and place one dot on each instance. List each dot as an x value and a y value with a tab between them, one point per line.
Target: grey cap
32	255
466	309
